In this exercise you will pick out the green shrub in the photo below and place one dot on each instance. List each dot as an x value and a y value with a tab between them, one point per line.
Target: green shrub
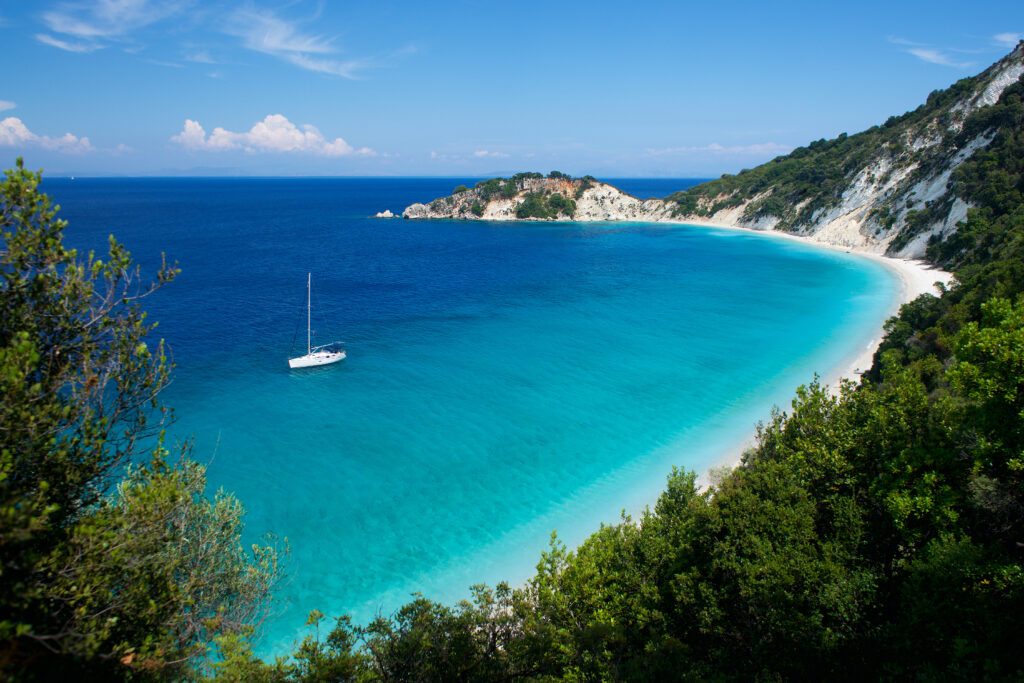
539	205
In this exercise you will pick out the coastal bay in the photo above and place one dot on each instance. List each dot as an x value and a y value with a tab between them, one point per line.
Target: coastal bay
504	380
334	353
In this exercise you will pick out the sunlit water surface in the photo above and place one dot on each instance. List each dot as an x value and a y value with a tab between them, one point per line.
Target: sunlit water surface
503	380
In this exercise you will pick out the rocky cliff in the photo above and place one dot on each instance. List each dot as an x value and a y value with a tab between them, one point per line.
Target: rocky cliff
890	189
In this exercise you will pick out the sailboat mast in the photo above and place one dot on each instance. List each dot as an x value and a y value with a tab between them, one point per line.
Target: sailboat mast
309	314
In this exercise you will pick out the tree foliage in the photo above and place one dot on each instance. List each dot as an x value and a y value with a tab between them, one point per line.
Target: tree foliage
114	562
545	206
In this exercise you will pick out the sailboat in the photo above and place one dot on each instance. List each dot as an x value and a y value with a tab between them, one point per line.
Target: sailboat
315	355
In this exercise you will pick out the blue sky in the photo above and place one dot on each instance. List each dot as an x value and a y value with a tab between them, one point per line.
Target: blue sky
467	87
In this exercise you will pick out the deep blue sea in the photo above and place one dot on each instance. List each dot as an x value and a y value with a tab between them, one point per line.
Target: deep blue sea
502	380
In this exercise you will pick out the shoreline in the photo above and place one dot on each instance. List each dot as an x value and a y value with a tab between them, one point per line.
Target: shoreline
916	277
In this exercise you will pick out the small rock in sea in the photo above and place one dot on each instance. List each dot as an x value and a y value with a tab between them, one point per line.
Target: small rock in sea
386	213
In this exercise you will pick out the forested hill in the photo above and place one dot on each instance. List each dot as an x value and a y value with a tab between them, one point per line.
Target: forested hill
894	187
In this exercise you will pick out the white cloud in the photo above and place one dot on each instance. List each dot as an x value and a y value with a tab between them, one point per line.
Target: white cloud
757	149
933	56
6	104
161	62
14	133
463	157
107	19
1007	39
192	135
86	27
275	133
66	45
263	31
445	156
200	57
897	40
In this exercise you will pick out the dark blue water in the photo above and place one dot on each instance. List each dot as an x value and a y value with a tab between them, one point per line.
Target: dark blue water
503	380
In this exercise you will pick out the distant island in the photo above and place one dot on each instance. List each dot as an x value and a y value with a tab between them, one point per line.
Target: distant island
887	190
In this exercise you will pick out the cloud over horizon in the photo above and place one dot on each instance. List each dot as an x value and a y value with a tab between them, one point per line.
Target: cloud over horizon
758	149
275	133
14	133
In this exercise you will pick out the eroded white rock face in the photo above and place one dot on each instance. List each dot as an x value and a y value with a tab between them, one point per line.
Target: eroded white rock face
852	222
1001	82
915	248
606	203
1005	73
386	213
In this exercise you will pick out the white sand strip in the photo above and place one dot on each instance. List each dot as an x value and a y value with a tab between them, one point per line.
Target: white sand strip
916	278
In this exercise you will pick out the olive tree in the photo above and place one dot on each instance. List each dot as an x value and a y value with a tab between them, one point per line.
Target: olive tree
113	559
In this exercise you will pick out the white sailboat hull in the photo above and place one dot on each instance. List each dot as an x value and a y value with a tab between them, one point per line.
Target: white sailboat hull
315	355
316	358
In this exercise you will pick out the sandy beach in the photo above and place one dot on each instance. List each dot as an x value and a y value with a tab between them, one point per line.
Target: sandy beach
916	278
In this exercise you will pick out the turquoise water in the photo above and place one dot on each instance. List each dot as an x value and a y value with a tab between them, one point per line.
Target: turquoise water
503	380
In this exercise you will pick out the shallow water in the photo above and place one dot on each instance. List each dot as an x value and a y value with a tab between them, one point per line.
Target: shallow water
503	380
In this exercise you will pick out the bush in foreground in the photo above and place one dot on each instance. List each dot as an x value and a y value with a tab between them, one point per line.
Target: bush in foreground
115	563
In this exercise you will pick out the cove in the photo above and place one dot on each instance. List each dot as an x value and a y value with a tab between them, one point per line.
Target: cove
502	380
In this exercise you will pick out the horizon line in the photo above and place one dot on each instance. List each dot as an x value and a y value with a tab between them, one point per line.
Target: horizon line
75	176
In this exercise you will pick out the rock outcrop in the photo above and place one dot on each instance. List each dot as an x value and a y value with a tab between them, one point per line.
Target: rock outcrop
579	199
